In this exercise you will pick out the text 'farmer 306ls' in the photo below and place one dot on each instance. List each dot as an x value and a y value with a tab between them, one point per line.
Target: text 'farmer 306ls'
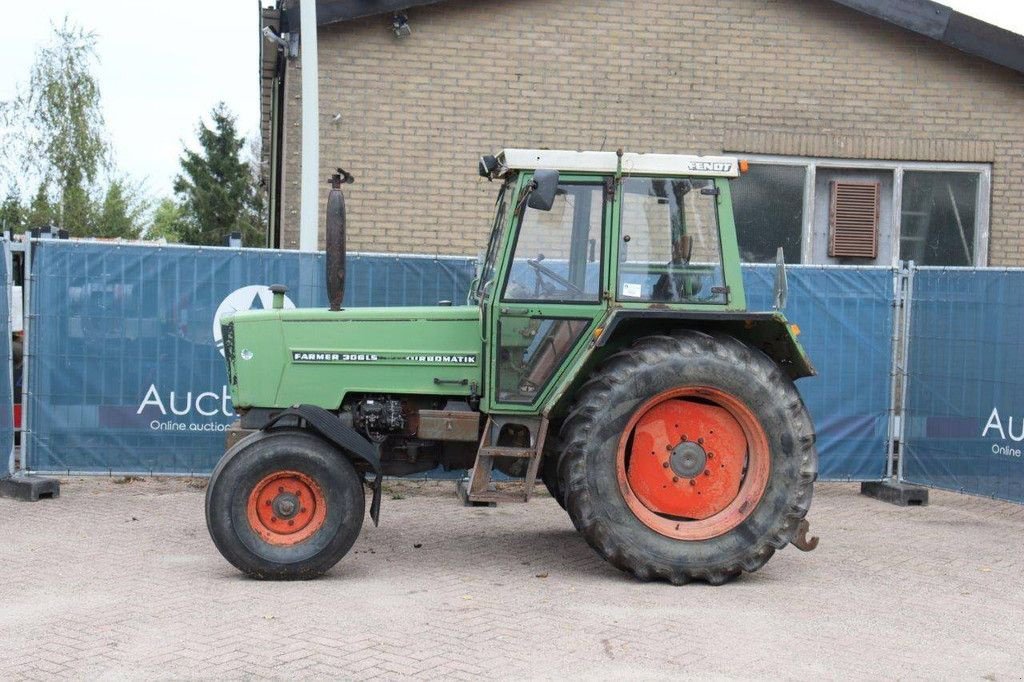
605	347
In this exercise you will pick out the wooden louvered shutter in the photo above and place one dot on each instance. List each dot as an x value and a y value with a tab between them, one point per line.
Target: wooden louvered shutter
853	220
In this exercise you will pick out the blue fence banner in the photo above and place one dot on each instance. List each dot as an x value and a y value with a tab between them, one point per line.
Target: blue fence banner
126	374
6	384
963	427
845	316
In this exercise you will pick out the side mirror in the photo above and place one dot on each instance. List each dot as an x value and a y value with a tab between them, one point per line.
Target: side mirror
488	164
542	194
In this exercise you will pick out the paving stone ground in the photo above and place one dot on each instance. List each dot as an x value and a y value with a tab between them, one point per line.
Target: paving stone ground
122	581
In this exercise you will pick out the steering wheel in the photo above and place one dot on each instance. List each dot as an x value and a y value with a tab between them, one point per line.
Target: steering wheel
540	269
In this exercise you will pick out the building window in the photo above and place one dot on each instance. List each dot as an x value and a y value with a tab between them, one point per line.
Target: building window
938	218
931	213
768	203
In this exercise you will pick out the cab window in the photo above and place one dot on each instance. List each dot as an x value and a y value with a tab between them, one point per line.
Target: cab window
557	255
670	249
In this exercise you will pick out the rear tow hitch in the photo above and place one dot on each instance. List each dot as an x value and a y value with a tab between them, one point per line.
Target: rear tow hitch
801	541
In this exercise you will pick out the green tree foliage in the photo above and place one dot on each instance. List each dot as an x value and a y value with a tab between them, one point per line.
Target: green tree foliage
41	211
64	132
12	214
216	187
121	214
168	221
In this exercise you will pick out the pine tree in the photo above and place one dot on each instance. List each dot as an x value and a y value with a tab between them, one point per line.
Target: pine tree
168	221
41	212
216	187
12	214
121	213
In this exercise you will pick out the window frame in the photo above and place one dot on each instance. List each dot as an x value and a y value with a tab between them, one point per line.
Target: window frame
597	181
812	163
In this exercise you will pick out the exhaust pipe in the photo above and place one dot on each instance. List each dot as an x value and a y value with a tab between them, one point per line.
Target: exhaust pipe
335	239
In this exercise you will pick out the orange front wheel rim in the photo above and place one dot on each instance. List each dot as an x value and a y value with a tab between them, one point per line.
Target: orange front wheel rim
286	508
693	463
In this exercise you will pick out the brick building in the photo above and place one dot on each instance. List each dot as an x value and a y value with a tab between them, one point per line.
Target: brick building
814	93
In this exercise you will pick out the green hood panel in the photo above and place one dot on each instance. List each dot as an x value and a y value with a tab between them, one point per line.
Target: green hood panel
283	357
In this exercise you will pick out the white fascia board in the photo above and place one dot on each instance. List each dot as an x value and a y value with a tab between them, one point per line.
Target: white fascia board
608	162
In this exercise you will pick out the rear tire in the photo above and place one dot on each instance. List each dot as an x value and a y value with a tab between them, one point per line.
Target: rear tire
764	501
549	469
284	505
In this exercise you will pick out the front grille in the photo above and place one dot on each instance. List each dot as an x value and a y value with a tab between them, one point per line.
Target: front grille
227	331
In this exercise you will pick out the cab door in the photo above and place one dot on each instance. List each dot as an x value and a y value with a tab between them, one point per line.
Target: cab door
548	298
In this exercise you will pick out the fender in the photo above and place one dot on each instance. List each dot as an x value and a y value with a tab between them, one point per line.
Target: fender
347	439
771	332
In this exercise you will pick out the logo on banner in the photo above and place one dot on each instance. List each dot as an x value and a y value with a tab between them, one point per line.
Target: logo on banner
252	297
204	411
994	427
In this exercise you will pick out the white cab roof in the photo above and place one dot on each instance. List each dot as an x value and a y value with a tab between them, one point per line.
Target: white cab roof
608	162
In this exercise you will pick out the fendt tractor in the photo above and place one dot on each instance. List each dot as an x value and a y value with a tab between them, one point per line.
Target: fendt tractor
605	348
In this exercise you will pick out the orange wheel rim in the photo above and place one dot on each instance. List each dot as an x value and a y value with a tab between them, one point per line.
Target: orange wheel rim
693	463
286	508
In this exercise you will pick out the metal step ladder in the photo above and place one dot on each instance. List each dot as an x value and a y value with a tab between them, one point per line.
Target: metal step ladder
478	488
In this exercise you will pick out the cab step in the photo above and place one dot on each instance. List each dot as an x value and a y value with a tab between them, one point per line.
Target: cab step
479	488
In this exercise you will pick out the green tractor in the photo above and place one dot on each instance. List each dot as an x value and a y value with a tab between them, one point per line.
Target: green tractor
605	349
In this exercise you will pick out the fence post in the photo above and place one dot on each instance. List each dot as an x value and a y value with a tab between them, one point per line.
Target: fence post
905	368
20	485
892	489
9	289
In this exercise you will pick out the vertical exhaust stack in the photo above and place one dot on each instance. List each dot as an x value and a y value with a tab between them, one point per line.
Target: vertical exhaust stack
335	239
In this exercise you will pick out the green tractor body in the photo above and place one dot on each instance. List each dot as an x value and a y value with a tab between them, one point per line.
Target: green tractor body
610	290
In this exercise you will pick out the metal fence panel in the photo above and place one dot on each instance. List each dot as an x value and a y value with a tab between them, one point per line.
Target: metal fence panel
125	373
6	383
845	315
964	409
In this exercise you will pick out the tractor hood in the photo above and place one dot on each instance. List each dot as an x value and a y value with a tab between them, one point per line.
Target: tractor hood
279	358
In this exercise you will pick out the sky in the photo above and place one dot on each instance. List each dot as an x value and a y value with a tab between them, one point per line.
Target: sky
163	65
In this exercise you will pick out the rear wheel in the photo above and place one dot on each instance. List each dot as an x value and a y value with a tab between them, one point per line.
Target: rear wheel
284	505
688	457
549	468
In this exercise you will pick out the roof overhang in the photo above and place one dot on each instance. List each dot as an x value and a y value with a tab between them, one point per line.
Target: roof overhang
928	18
335	11
608	162
949	27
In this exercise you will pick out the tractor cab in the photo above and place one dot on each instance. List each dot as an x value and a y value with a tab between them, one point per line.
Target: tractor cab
583	241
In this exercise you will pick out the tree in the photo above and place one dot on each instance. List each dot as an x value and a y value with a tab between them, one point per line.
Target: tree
168	221
12	214
216	187
41	212
121	212
63	123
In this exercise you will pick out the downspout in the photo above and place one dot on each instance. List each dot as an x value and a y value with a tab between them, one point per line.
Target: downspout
308	218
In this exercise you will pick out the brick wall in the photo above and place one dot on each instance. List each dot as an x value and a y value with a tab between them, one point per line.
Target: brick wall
799	77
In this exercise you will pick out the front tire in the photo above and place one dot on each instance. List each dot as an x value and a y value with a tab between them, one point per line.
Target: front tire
688	457
284	505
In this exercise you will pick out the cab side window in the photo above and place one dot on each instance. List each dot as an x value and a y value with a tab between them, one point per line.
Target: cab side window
557	254
670	249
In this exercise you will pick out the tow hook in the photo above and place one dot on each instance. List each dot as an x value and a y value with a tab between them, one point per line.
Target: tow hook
801	541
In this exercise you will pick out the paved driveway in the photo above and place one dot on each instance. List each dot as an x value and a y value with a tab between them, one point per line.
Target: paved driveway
121	580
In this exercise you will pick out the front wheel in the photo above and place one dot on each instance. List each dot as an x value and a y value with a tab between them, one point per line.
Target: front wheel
284	505
688	457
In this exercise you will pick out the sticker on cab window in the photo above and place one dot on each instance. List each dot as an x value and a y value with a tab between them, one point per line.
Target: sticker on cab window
632	290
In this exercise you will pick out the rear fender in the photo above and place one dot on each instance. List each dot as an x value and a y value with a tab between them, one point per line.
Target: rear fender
769	332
